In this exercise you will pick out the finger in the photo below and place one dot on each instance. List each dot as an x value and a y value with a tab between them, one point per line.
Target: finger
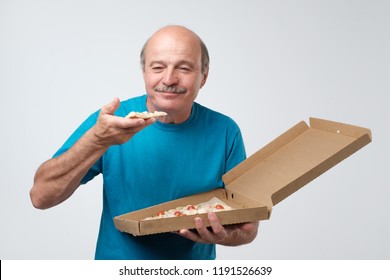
215	223
203	232
189	235
150	121
134	125
111	107
247	226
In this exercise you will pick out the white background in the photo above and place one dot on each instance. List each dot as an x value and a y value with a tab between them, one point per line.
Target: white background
273	64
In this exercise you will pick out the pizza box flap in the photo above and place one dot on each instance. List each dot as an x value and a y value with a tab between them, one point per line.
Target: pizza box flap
292	160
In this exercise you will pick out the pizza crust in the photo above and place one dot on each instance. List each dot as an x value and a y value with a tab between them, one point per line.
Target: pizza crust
146	115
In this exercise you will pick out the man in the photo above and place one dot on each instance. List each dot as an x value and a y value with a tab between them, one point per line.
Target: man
146	162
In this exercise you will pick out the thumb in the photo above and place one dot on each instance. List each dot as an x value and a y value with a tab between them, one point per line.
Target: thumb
111	107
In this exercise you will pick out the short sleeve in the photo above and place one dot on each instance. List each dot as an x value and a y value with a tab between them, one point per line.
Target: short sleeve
96	169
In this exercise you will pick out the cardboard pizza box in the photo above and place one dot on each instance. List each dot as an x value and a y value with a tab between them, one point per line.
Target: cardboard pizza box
264	179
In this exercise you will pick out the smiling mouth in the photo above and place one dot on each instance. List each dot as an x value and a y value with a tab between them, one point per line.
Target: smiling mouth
178	90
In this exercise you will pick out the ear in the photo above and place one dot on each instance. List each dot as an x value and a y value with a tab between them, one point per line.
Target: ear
204	78
143	76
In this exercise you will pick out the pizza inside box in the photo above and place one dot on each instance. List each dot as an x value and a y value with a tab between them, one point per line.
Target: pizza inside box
264	179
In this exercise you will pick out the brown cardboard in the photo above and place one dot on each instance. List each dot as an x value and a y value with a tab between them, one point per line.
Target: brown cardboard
267	177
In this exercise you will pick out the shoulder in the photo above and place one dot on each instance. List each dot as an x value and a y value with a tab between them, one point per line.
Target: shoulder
212	117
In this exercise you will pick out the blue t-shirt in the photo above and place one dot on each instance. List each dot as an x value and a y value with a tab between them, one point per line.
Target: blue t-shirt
160	163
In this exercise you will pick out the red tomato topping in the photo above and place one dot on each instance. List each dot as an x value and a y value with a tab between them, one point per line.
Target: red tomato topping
189	207
219	206
178	213
160	213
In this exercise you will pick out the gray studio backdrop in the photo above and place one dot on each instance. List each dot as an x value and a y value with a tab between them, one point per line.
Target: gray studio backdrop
273	64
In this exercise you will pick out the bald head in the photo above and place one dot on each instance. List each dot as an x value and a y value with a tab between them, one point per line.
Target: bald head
182	33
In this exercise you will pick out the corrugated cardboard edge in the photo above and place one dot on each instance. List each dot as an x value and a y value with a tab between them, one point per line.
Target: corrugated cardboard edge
345	129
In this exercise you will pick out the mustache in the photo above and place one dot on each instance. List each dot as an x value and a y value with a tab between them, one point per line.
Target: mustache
170	89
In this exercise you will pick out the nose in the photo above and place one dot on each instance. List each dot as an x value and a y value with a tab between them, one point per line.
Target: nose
170	78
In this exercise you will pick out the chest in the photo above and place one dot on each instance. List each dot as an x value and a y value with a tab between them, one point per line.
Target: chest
160	166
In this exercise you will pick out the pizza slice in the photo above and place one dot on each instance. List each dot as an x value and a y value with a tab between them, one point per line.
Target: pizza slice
213	205
146	115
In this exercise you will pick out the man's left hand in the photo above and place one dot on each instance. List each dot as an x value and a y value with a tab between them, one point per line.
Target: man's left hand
229	235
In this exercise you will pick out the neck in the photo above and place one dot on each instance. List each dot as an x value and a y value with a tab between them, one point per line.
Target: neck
172	118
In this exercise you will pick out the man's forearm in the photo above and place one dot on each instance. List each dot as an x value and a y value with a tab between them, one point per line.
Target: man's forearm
58	178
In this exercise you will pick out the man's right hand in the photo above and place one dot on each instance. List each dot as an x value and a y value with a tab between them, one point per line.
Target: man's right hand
57	178
112	130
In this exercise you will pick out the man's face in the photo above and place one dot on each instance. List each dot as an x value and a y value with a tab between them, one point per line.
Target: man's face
172	72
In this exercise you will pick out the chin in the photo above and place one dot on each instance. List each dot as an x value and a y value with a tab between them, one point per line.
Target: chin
173	102
163	104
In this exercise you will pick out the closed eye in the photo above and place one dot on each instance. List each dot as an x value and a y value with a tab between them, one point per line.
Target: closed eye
157	68
184	69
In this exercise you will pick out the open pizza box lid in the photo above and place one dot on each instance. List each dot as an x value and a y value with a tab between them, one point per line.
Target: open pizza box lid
264	179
